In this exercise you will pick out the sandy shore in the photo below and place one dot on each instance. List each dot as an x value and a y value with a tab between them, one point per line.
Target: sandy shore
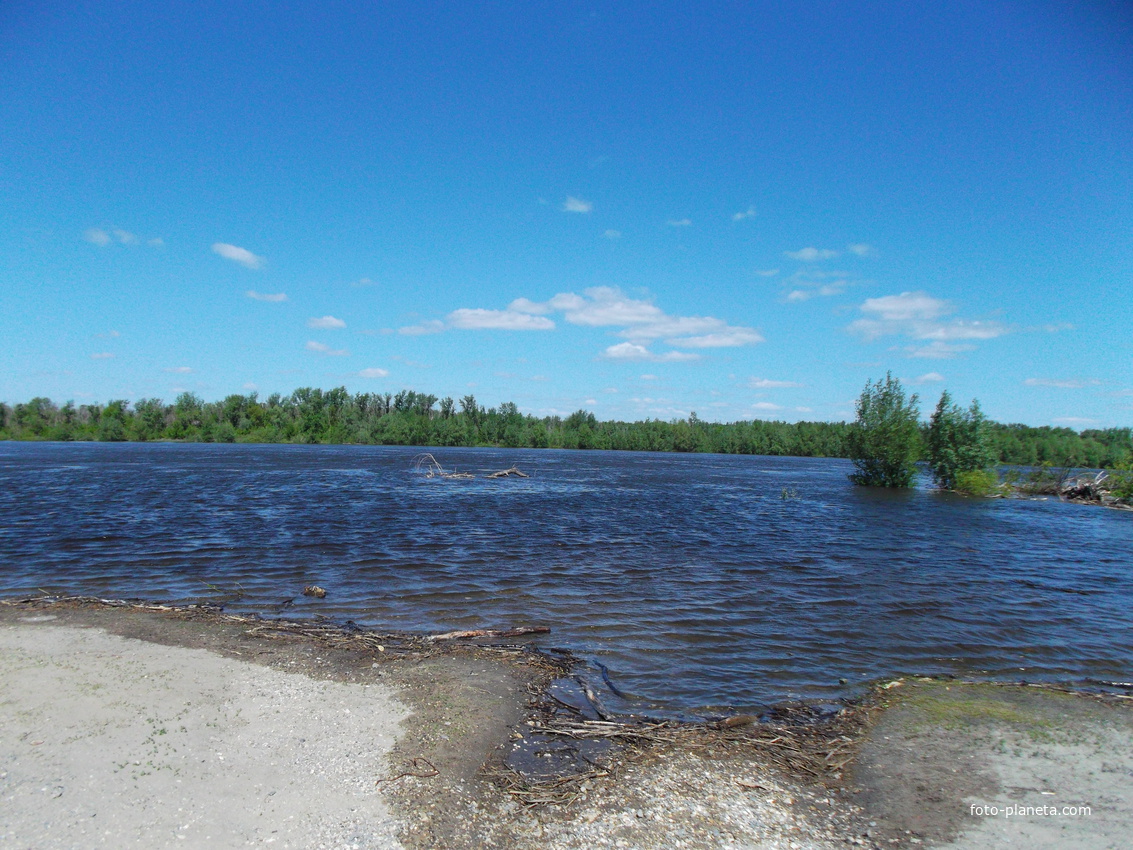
114	742
130	728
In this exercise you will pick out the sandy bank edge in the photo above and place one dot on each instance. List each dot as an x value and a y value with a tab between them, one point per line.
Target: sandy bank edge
466	704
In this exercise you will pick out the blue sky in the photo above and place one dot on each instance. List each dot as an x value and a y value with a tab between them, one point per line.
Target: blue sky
743	209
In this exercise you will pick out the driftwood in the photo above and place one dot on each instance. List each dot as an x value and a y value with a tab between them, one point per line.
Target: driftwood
430	467
1090	488
505	473
479	633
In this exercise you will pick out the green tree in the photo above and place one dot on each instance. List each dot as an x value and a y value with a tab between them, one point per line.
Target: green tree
958	441
884	442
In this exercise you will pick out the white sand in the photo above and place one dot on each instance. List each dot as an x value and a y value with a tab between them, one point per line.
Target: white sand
113	742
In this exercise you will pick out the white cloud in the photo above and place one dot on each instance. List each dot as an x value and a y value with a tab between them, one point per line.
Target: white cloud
1075	421
613	234
325	323
919	316
180	370
156	242
591	401
631	351
767	272
627	351
102	355
930	378
96	236
274	298
938	350
641	322
321	348
126	237
679	222
111	334
649	377
250	386
432	326
728	338
824	291
964	329
811	255
504	320
860	249
577	205
603	306
908	306
748	213
765	384
804	410
238	255
373	372
766	405
1065	384
526	305
364	281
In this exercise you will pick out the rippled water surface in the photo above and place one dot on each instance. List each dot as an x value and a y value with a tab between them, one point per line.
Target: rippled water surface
689	576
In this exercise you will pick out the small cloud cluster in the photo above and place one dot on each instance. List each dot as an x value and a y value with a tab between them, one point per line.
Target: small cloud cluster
766	384
748	213
499	320
577	205
272	297
811	254
373	373
824	290
238	255
325	323
679	222
102	238
641	322
326	350
1063	384
926	320
631	351
815	284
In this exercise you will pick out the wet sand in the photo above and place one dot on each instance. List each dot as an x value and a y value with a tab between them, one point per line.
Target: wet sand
132	728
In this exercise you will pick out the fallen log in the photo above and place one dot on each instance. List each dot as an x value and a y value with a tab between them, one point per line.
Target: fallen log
479	633
505	473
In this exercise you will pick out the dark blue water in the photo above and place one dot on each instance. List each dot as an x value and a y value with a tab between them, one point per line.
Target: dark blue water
689	576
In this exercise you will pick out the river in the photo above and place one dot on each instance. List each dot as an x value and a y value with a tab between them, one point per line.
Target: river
702	582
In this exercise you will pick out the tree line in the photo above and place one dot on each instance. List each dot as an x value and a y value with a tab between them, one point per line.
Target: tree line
409	418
